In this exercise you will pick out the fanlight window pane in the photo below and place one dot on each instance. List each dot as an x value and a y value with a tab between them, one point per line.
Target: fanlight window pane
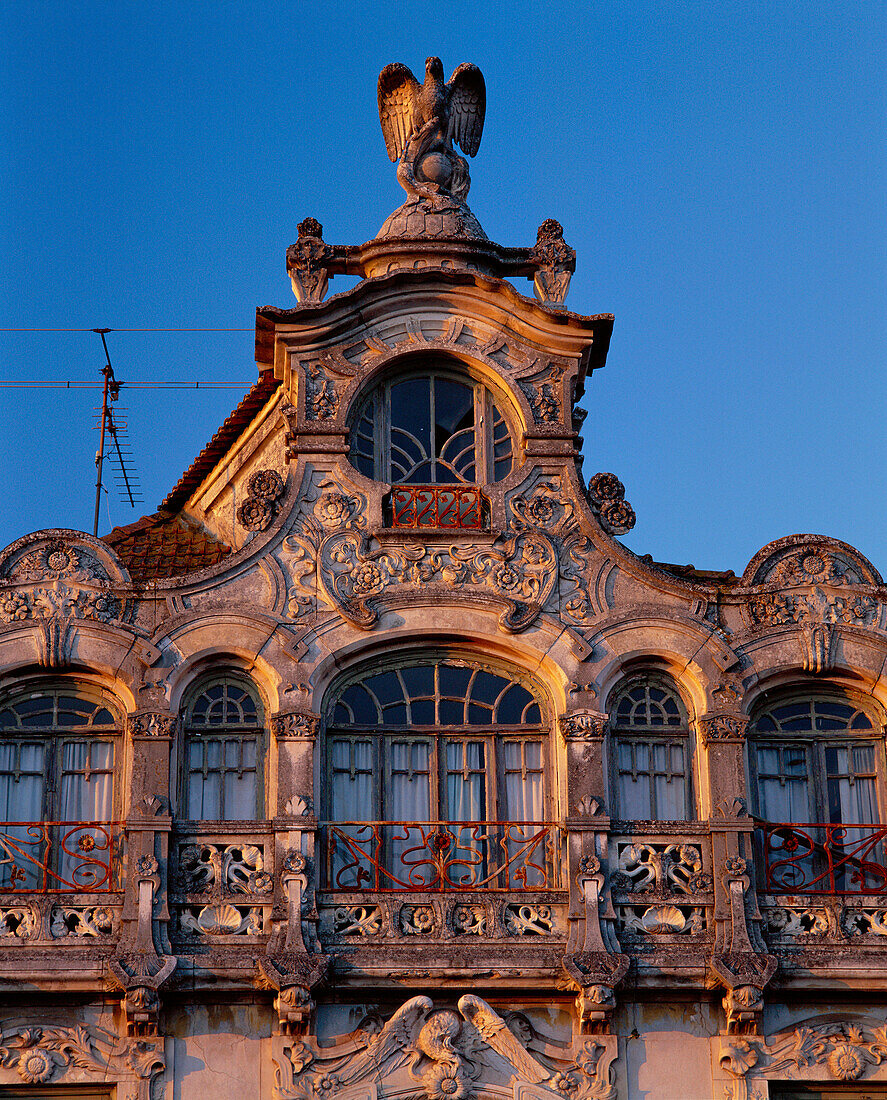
436	693
223	754
431	429
652	772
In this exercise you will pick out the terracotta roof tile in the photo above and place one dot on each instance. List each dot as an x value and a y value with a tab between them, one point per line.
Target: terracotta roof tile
224	438
164	545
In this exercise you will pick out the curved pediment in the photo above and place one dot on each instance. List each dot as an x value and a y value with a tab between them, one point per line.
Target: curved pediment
809	559
61	555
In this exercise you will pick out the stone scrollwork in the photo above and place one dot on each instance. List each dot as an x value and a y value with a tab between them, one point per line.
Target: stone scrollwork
151	724
354	573
583	725
299	725
43	1055
722	728
445	1053
843	1052
544	505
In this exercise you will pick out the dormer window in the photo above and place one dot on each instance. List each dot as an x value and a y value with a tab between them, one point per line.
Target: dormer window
431	428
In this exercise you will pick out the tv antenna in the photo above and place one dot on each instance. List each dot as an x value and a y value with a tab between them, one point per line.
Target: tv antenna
114	425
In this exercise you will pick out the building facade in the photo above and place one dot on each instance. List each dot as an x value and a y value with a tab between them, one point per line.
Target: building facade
373	765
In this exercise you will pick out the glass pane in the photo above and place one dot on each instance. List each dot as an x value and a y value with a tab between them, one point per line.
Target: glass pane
465	781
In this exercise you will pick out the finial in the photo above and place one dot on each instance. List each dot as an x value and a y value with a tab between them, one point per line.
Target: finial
420	123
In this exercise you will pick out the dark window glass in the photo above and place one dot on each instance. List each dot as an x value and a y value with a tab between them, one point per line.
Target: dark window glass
431	429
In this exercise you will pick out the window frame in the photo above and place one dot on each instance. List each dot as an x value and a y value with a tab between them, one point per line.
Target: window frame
55	737
438	735
376	405
816	744
651	734
225	732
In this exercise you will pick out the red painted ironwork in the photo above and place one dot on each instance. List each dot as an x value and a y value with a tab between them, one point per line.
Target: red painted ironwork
441	855
822	858
454	507
60	857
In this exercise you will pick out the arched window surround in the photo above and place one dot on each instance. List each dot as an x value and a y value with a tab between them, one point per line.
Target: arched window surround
416	748
224	748
651	754
816	755
496	424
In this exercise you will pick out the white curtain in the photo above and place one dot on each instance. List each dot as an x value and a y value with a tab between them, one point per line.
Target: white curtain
21	799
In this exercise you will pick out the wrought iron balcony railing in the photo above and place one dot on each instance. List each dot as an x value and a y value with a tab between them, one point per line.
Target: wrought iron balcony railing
441	855
60	857
822	858
455	507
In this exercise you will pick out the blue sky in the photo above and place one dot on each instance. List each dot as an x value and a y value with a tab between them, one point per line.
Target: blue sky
720	168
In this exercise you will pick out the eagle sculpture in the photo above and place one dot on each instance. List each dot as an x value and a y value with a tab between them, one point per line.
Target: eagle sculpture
420	123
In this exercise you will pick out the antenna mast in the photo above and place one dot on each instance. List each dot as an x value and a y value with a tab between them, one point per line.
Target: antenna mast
110	392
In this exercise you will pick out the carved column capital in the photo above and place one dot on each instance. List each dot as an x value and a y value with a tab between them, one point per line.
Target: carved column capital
722	727
151	723
583	725
296	725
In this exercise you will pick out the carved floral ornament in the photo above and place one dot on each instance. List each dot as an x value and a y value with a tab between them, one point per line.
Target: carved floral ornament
40	1055
264	490
811	582
842	1051
583	725
355	573
298	725
730	727
444	1054
606	494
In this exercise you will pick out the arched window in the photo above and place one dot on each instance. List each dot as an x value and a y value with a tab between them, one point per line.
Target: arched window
434	427
223	751
57	752
650	752
430	745
815	759
815	763
57	755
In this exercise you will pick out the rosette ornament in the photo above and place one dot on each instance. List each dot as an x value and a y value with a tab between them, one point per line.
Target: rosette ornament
606	494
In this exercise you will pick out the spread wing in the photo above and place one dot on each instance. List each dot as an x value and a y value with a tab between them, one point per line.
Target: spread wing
394	1041
468	105
495	1033
398	90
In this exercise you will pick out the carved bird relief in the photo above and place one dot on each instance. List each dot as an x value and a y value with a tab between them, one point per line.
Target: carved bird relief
420	123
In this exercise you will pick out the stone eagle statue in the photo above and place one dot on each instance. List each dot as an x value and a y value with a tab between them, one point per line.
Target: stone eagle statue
420	123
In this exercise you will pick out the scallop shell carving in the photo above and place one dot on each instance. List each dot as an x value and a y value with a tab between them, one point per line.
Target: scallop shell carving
660	920
220	920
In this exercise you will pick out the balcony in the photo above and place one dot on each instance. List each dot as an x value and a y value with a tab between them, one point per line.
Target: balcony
391	882
429	506
440	855
60	857
822	883
819	858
